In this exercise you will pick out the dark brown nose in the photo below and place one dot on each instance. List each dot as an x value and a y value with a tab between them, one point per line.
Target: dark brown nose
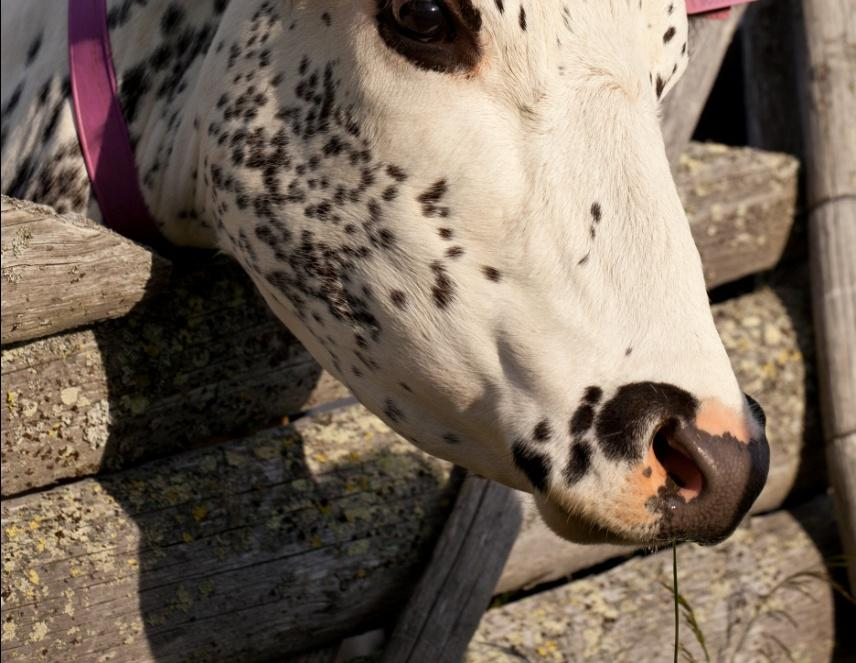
715	467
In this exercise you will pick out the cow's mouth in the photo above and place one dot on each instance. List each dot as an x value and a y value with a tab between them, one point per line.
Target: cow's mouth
578	528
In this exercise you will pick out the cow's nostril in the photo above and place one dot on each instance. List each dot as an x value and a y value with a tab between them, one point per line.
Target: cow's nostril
678	465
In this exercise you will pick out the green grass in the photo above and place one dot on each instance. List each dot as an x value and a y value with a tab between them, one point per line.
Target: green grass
682	605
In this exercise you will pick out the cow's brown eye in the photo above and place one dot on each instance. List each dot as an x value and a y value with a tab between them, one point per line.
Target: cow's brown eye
422	20
441	35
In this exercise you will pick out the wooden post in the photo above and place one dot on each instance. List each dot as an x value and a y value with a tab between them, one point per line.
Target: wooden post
829	130
770	45
708	41
448	602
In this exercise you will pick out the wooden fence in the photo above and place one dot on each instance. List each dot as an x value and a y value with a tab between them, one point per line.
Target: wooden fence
181	481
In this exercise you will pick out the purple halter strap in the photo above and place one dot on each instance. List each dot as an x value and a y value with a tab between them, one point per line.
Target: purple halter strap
101	127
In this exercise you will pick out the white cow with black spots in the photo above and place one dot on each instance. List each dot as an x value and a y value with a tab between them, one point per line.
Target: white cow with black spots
463	208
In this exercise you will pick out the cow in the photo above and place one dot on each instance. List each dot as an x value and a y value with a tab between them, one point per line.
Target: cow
462	208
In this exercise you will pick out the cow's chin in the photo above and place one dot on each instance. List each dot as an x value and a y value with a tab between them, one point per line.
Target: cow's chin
577	528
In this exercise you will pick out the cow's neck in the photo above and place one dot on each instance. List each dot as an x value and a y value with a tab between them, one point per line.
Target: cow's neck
163	61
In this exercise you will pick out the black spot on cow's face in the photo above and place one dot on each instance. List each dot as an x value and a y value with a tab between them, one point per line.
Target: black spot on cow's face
593	395
579	462
582	419
34	48
535	465
398	298
392	411
443	290
430	199
542	431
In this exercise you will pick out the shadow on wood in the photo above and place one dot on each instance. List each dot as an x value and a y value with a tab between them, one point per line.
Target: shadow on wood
206	359
234	552
159	563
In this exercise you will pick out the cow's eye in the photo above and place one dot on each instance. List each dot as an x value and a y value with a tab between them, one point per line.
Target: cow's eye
422	20
441	35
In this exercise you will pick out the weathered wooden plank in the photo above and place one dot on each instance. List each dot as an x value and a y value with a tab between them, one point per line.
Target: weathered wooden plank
208	359
769	47
748	596
813	59
740	203
447	603
252	549
168	553
828	78
65	272
707	41
766	334
841	458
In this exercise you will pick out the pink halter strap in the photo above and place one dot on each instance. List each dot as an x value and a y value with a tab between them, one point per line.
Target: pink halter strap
716	8
101	127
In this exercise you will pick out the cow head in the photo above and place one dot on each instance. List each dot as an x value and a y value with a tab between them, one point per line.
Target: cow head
463	208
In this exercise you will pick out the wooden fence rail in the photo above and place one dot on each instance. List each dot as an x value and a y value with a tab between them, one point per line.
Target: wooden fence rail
65	272
208	360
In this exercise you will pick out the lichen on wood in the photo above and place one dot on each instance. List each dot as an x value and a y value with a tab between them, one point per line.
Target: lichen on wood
207	359
271	544
751	596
